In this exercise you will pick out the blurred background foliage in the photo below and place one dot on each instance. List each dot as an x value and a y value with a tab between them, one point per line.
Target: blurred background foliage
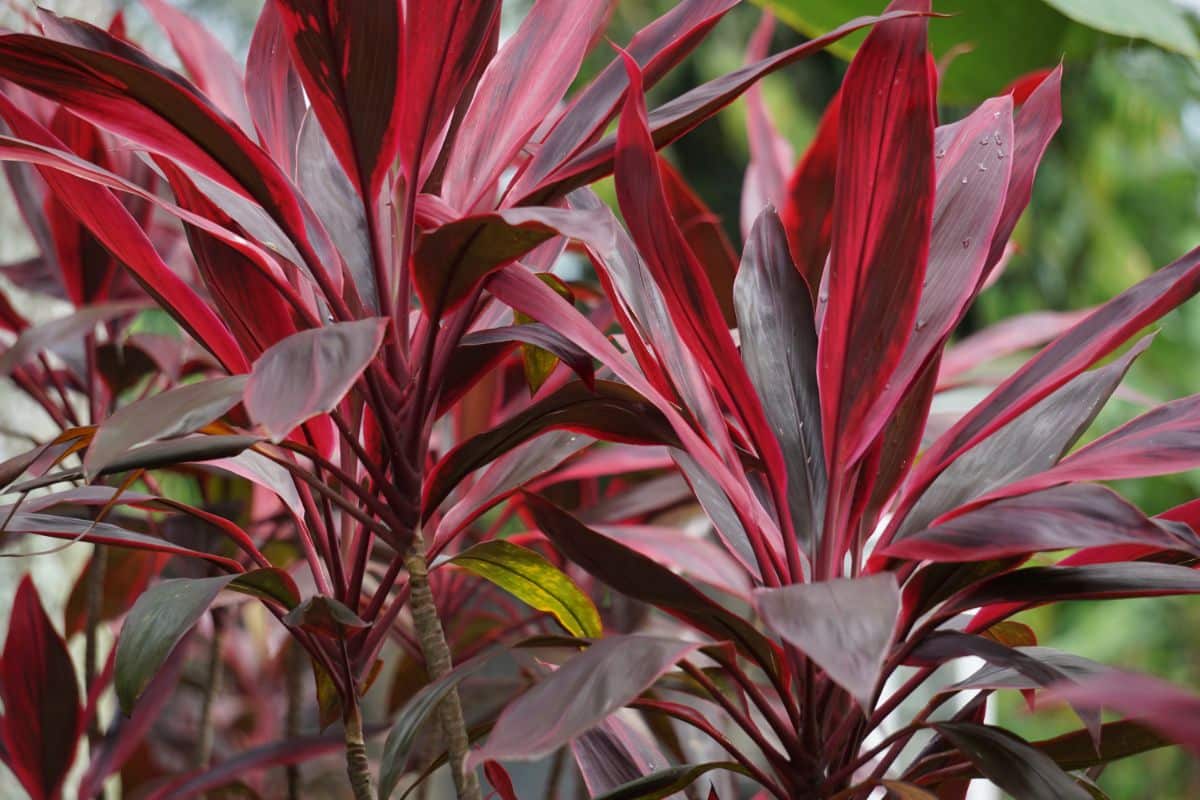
1117	196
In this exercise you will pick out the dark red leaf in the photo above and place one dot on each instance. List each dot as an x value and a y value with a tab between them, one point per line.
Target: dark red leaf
500	781
1156	704
808	213
42	717
1011	763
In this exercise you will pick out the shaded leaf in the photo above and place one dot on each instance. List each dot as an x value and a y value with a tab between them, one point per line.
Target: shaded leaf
667	782
1154	703
1011	763
325	616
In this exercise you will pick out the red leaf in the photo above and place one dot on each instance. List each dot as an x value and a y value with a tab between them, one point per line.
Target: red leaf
349	56
808	213
498	778
274	92
882	215
41	723
1005	338
1173	712
521	86
771	156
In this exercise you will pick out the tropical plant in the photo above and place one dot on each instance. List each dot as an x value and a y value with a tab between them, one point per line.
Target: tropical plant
393	383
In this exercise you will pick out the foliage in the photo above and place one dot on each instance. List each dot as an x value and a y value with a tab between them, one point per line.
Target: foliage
385	419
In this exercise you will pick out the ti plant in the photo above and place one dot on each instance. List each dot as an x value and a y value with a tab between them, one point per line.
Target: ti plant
387	414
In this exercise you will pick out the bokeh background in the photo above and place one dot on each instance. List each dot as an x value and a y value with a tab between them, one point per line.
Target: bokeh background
1118	195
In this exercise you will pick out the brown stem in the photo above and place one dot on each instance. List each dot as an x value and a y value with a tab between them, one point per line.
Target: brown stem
357	766
294	686
95	599
438	664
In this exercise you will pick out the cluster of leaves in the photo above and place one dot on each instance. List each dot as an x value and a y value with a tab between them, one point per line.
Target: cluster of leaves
724	491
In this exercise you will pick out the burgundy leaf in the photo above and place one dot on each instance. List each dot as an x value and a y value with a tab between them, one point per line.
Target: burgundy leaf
37	339
771	156
42	716
325	616
808	213
273	90
309	373
518	90
1041	585
579	695
349	57
542	337
1005	338
845	626
882	213
1011	763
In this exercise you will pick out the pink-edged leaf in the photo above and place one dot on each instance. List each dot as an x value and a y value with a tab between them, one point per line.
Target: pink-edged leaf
42	715
579	695
704	234
172	413
998	676
699	558
1029	444
673	119
1041	585
808	212
845	626
82	530
451	260
35	340
608	410
110	222
349	57
612	754
309	373
972	177
541	337
882	215
1003	339
336	203
657	48
779	349
443	43
274	92
1011	763
1060	518
1161	441
206	60
1172	711
1036	124
521	86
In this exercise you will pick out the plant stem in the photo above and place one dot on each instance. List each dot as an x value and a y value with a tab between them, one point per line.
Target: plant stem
438	664
95	598
357	766
212	687
294	667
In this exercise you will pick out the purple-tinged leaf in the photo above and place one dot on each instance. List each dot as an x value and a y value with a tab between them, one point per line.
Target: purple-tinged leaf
808	213
1003	339
542	337
451	260
1059	518
882	215
1154	703
349	57
667	782
1027	445
1034	586
845	626
336	203
35	340
771	155
172	413
579	695
309	373
999	676
612	754
645	579
206	60
528	76
42	716
273	90
610	411
1011	763
779	349
325	616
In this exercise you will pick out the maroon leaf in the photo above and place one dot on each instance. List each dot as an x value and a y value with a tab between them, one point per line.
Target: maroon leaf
35	340
1073	516
579	695
845	626
1011	763
349	57
1040	585
500	780
882	213
42	717
517	91
808	213
325	616
309	373
542	337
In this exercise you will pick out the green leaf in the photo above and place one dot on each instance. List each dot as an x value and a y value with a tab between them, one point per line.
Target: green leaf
1007	39
533	580
1158	21
156	623
666	782
165	612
